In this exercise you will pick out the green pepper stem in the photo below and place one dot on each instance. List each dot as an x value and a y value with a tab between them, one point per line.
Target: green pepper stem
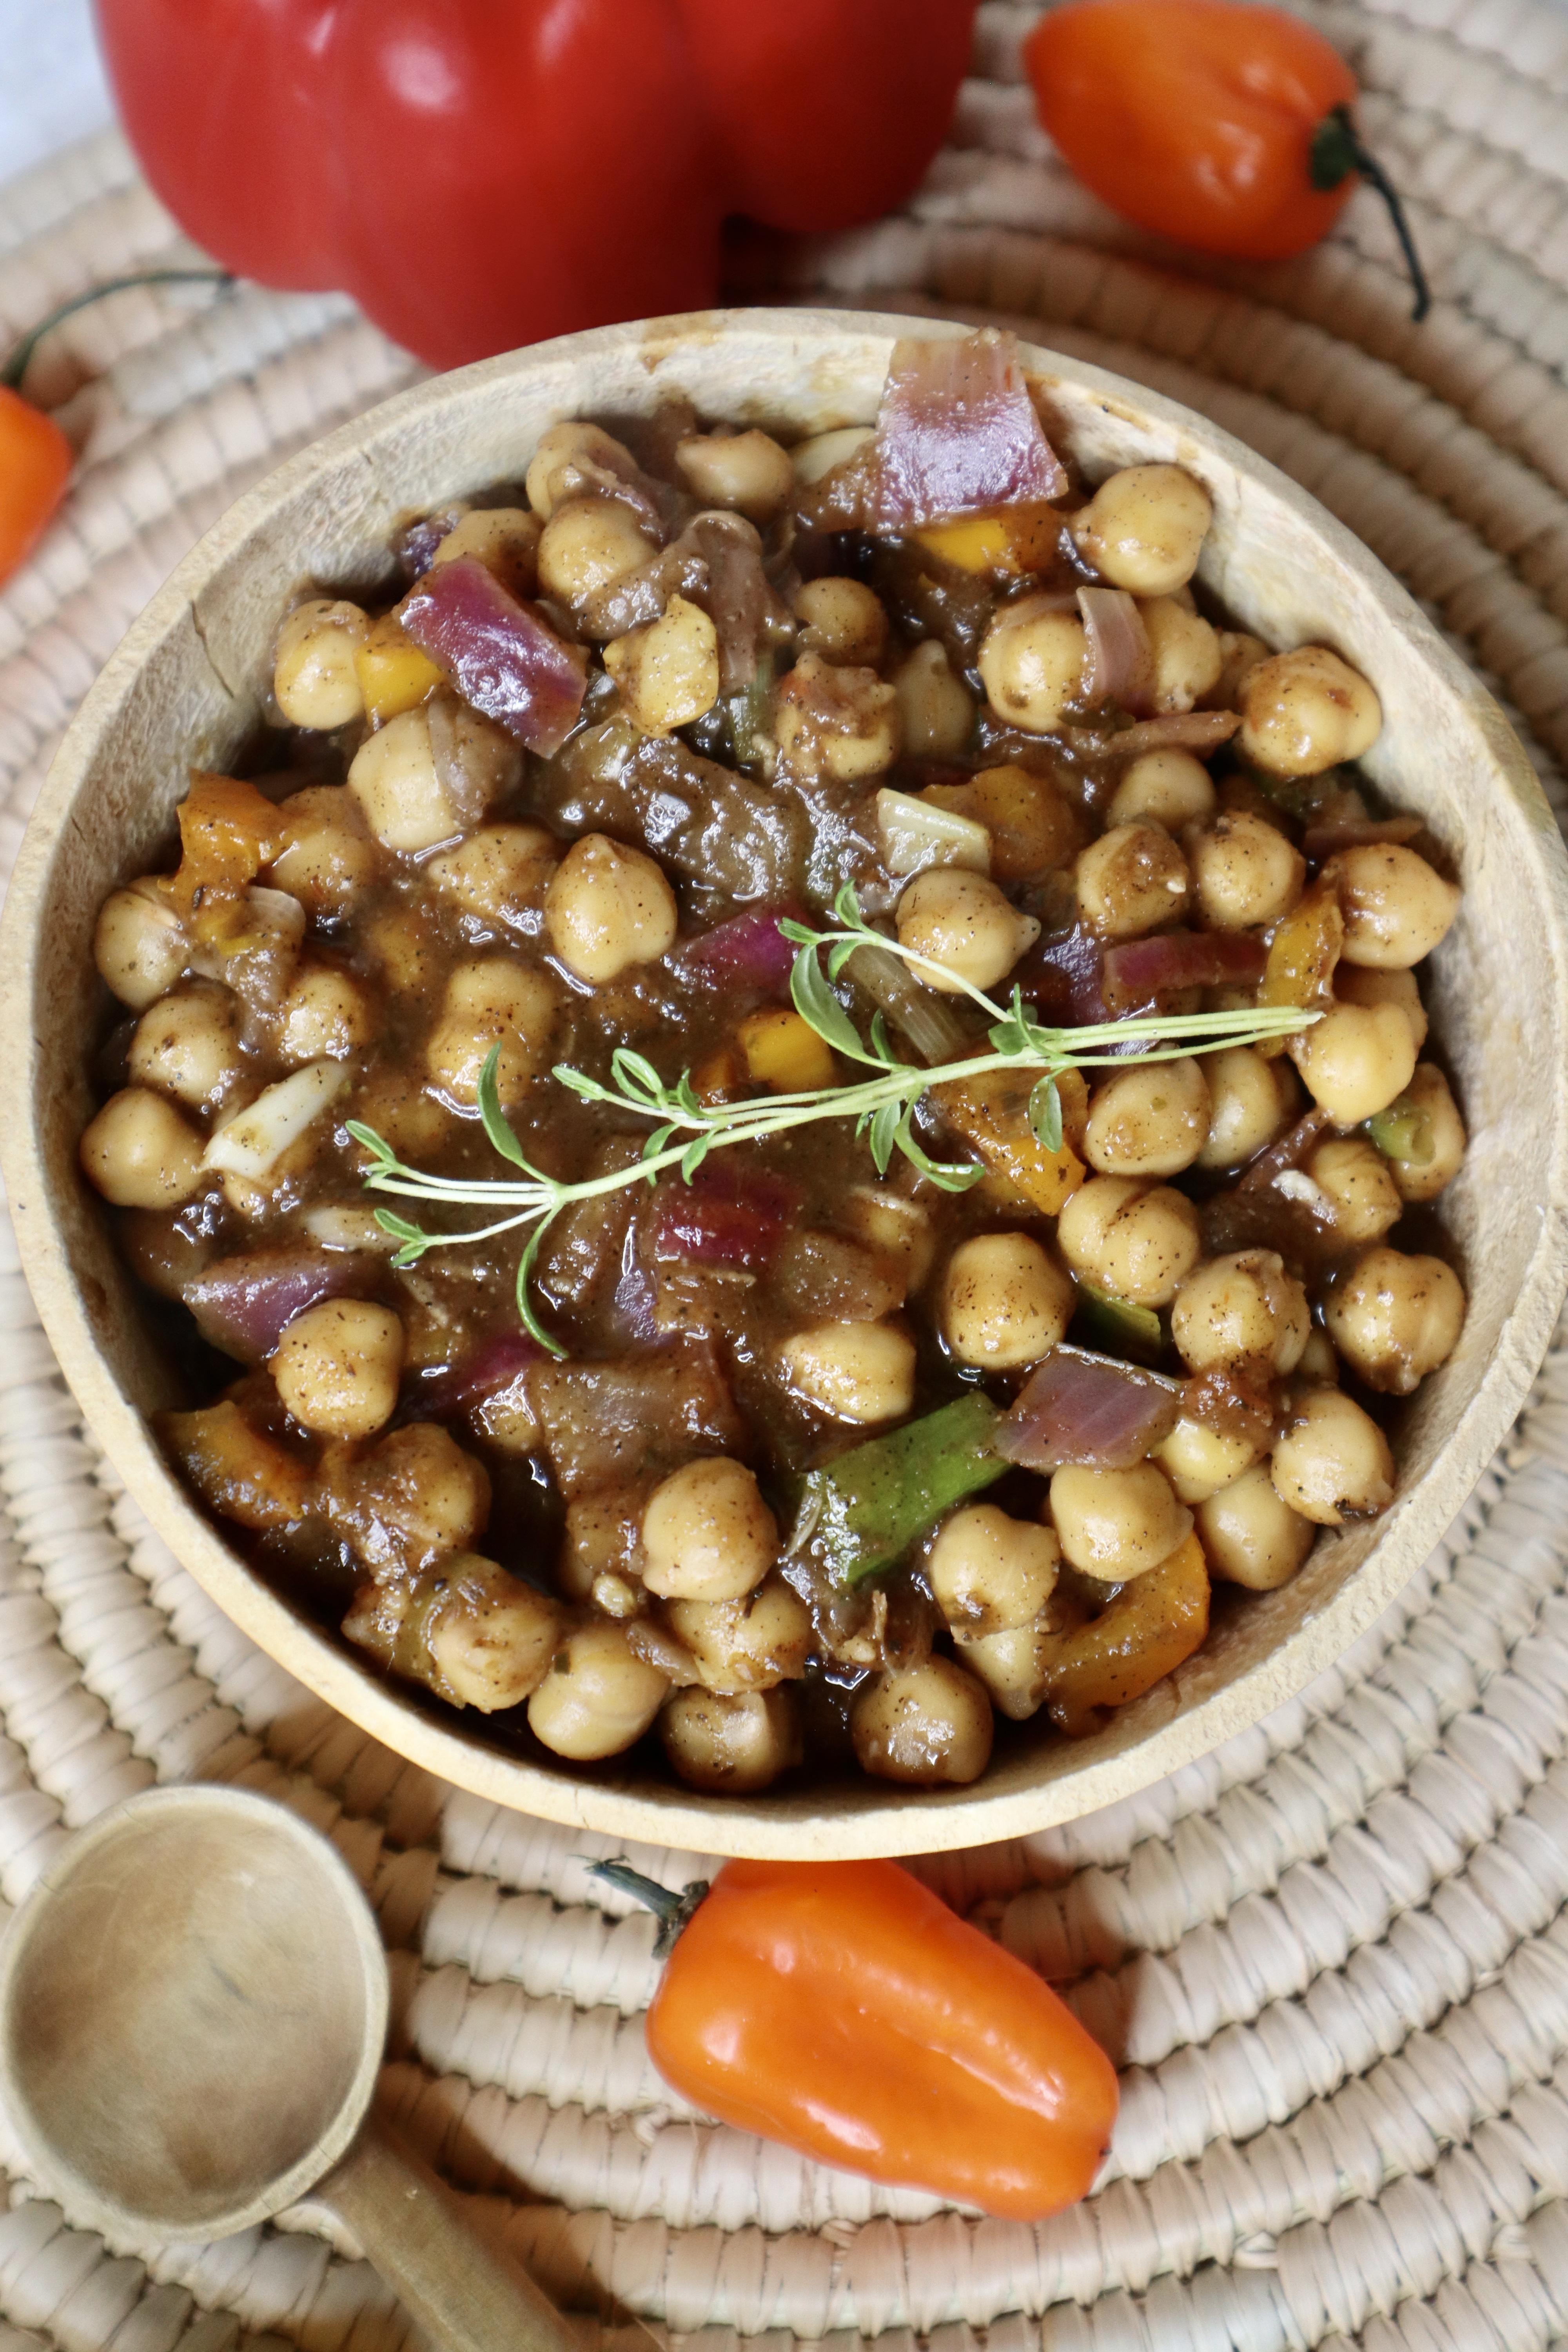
1337	151
672	1911
20	359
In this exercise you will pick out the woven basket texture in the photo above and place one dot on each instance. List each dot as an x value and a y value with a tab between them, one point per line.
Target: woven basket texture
1332	1958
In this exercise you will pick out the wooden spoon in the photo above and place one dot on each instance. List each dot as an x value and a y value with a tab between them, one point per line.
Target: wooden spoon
193	2005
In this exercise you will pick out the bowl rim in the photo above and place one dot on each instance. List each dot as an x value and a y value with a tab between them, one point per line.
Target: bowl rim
807	1825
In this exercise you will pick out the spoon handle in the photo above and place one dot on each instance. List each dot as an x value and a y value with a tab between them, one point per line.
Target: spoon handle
458	2291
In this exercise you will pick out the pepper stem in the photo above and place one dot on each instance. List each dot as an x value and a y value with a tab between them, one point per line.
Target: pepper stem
673	1911
20	358
1336	151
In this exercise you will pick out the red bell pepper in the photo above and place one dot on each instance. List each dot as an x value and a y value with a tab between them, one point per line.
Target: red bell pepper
481	174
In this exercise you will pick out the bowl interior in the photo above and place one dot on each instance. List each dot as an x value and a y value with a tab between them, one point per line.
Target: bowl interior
185	689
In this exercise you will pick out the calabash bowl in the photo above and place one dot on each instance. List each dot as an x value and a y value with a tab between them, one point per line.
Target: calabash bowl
186	688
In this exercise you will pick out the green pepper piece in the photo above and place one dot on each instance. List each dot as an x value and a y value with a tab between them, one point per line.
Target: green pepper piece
1118	1328
1403	1131
862	1512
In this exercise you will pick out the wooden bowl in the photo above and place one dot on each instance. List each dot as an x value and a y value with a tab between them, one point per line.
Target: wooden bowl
186	688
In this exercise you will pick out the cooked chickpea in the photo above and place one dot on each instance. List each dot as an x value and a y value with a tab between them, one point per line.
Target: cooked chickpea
1149	1121
936	714
749	1644
1167	788
1250	1537
1332	1463
733	1741
586	543
668	670
1361	1196
1131	880
1304	712
1136	1241
1239	656
989	1573
314	681
1395	1319
1318	1366
893	1228
927	1727
1034	662
142	1154
328	857
566	459
1117	1524
842	620
963	921
707	1533
1355	1060
499	873
488	1003
395	780
1199	1461
1249	1104
854	1371
492	1637
747	472
420	1498
1241	1308
1144	527
338	1365
505	539
1428	1092
1245	873
1358	983
139	945
1004	1303
836	720
608	909
598	1697
325	1013
1397	907
813	460
1014	1666
187	1045
1185	653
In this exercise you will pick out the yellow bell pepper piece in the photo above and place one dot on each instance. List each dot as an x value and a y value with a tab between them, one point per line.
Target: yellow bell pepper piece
394	674
1303	955
992	1114
785	1052
1031	827
1012	542
1150	1626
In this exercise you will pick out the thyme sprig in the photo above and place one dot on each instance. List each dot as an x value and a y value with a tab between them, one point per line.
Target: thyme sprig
883	1107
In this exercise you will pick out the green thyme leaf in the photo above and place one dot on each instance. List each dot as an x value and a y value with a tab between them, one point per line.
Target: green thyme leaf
1046	1113
531	1322
816	1003
885	1135
491	1116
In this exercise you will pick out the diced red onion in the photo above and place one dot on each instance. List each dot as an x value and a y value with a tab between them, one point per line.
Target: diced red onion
1121	661
1062	977
494	1364
504	657
1139	969
1199	732
634	1304
728	1220
748	951
1290	1150
957	434
1088	1409
244	1305
1356	833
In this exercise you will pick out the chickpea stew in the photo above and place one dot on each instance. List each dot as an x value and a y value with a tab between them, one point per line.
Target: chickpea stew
908	1027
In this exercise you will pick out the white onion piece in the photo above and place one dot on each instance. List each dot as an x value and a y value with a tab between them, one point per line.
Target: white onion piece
345	1225
250	1143
1122	665
916	833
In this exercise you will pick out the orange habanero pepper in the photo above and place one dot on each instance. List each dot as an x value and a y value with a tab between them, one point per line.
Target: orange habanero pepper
1222	126
34	466
840	2008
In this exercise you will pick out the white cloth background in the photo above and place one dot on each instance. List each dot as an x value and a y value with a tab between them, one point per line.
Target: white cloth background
51	85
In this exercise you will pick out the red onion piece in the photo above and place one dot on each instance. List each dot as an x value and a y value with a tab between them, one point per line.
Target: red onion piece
1355	833
728	1220
502	656
1200	732
1139	969
748	951
1290	1150
494	1364
1122	664
957	434
243	1304
1088	1409
1062	978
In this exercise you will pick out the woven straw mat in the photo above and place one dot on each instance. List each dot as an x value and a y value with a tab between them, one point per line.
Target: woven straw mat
1331	1960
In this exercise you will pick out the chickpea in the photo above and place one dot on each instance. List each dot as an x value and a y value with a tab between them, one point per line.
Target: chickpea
142	1154
1241	1308
750	1644
936	713
1131	880
1250	1537
1304	712
707	1533
608	909
488	1002
1185	652
1395	1319
492	1637
1358	983
413	1498
328	857
1149	1121
314	681
1239	655
1014	1666
843	622
1136	1241
1200	1460
668	670
187	1045
1143	527
927	1727
1361	1197
813	460
1332	1462
1004	1303
1245	873
1397	907
1428	1091
854	1371
747	472
505	539
139	945
337	1367
568	458
1355	1060
325	1012
587	543
836	722
598	1697
1117	1524
989	1573
395	780
1167	788
499	873
1250	1100
733	1741
893	1228
963	921
1034	662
